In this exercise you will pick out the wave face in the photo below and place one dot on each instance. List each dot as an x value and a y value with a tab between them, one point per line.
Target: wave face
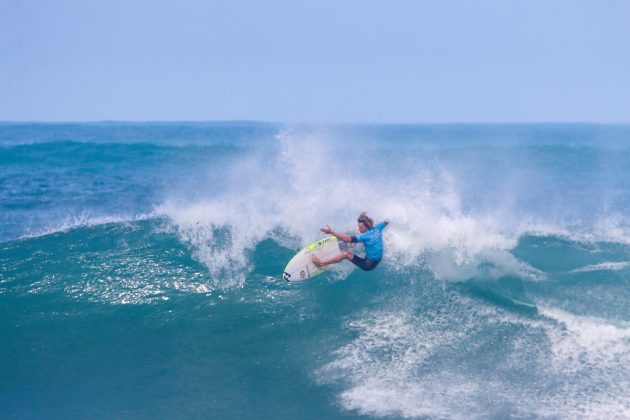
140	271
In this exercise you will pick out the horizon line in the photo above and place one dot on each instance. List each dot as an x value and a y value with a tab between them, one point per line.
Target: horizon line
252	121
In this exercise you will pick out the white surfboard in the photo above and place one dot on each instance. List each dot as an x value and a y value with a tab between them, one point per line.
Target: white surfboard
302	268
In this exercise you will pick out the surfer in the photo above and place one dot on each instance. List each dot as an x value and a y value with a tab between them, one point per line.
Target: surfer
371	237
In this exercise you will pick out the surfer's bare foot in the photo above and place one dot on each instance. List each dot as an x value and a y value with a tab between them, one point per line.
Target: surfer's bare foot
316	260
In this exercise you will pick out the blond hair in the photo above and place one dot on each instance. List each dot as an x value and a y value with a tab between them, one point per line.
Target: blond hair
367	222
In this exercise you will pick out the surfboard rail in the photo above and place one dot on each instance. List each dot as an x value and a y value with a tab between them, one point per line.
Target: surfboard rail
301	267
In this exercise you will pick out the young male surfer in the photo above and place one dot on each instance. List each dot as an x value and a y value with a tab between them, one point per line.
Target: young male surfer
371	237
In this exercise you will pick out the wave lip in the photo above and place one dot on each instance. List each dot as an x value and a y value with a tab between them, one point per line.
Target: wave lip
83	219
605	266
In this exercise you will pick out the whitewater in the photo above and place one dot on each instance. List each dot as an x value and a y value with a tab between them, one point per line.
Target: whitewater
141	271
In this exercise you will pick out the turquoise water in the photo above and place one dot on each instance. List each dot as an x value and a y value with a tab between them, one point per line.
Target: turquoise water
140	271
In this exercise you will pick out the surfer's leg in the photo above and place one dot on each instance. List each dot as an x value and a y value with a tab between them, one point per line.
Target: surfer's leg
347	255
364	264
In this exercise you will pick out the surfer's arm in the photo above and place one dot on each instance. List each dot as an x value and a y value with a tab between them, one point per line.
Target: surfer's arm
341	236
382	225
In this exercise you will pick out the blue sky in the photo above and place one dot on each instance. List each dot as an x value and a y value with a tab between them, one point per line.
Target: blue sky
315	61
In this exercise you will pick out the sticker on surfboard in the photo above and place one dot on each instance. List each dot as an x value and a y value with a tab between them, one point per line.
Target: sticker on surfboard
301	267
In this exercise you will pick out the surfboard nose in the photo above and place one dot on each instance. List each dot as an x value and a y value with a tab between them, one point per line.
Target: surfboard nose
286	276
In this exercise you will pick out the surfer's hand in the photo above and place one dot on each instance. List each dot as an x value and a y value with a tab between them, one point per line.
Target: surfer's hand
327	229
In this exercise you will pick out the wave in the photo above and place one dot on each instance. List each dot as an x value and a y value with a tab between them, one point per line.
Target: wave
272	192
84	219
503	291
223	209
406	343
159	133
131	152
460	198
605	266
461	358
104	261
225	246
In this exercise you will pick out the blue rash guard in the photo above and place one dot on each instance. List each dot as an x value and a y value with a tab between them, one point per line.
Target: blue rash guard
373	243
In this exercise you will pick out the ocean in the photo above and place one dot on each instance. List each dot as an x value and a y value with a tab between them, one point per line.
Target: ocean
141	271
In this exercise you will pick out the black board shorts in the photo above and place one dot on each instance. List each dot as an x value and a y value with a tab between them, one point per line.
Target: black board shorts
364	264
